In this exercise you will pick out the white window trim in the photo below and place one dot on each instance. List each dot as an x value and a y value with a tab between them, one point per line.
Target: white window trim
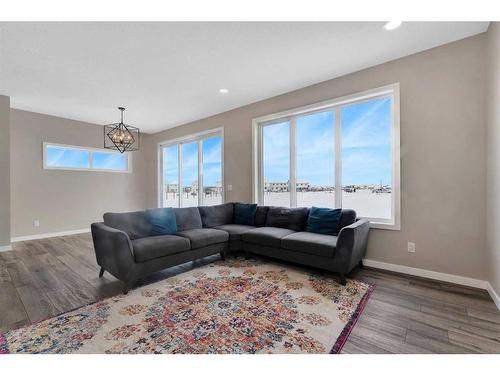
390	90
196	137
91	151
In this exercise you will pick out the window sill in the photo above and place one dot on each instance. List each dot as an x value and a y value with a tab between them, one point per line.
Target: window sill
386	226
86	169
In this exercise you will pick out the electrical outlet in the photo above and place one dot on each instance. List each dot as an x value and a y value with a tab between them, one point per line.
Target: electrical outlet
411	247
36	223
229	187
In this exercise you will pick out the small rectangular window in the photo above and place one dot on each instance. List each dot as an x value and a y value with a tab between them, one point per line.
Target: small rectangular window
67	157
110	161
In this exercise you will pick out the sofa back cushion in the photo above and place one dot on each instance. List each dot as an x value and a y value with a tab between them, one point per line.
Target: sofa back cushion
290	218
187	218
162	221
135	224
213	216
324	220
244	213
261	216
348	217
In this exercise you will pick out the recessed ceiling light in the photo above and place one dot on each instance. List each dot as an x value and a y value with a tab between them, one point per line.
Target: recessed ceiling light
223	91
391	25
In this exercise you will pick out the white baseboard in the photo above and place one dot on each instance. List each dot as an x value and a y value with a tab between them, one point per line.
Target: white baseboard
48	235
494	296
5	248
455	279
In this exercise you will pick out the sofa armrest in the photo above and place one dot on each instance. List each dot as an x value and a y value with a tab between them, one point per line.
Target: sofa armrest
352	242
113	250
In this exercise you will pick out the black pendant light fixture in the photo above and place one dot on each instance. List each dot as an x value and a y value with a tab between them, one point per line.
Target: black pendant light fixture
121	137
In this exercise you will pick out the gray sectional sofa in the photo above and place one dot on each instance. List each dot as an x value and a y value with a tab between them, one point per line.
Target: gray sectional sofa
125	247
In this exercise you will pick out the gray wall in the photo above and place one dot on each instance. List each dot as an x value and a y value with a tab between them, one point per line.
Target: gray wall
493	150
64	200
443	166
4	171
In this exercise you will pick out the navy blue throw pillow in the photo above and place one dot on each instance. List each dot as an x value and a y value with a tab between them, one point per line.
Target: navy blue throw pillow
244	213
162	221
324	220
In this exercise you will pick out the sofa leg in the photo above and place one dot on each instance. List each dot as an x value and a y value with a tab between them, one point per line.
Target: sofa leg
101	272
223	255
247	255
127	285
360	264
342	279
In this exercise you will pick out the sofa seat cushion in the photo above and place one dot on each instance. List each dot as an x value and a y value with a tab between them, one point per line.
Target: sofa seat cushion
235	230
266	236
148	248
323	245
204	237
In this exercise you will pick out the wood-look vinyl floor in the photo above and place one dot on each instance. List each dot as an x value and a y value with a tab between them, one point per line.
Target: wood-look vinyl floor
405	314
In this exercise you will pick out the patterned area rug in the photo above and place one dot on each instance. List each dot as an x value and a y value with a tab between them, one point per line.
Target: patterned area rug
236	306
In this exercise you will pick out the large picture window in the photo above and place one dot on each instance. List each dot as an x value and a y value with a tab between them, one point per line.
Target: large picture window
65	157
189	166
339	153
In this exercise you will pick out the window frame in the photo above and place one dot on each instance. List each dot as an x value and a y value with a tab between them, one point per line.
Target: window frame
196	137
334	105
91	151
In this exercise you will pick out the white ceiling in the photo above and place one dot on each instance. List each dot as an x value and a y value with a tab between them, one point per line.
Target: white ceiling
168	74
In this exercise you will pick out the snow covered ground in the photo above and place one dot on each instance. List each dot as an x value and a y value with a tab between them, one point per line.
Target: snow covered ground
189	200
364	202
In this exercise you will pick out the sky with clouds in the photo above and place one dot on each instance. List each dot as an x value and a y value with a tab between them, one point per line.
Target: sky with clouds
366	143
366	146
212	162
